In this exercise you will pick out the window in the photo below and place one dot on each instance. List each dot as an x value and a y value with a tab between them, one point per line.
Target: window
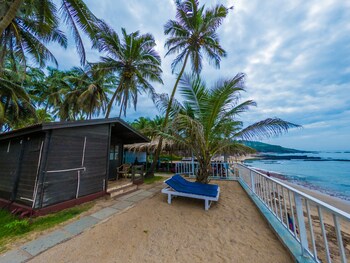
114	152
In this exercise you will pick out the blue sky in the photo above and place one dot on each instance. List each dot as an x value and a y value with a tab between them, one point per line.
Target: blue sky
296	55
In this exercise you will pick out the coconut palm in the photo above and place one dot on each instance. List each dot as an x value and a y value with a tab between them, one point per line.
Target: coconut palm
149	127
142	124
14	99
29	32
26	26
213	127
40	116
192	35
47	90
79	92
69	109
94	88
135	62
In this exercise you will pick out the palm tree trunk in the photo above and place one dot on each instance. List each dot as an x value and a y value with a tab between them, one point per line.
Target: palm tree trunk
203	173
150	173
121	109
109	107
8	15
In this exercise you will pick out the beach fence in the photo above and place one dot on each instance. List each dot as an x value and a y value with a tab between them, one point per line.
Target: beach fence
188	168
219	170
315	225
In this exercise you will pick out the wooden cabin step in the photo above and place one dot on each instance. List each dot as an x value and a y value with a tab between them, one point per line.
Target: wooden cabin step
118	187
122	190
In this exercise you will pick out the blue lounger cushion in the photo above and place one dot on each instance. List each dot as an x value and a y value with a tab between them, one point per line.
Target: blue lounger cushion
179	184
183	181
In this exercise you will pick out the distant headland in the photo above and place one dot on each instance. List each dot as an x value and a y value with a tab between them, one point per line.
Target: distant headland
270	148
267	151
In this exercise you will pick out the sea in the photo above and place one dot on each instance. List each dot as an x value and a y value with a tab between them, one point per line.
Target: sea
327	172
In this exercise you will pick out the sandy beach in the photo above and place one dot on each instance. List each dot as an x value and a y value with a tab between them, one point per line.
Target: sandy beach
334	201
328	220
231	231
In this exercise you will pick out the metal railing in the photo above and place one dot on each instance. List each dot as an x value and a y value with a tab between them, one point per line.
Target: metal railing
186	168
219	170
314	224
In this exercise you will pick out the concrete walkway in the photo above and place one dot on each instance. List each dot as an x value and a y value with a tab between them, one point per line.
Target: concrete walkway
35	247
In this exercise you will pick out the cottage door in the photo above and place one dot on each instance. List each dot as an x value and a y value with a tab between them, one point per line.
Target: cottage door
114	160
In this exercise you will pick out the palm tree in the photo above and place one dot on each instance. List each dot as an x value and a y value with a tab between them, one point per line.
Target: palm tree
149	127
8	12
208	123
135	61
72	94
142	124
14	100
26	26
190	35
40	116
29	31
95	87
47	90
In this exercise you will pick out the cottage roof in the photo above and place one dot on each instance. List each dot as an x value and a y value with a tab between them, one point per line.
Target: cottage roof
128	133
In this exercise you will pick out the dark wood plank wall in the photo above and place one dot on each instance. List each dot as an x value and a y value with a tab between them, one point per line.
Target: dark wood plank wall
9	161
18	166
28	168
66	152
92	180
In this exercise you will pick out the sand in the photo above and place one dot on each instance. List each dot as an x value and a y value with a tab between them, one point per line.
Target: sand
231	231
334	201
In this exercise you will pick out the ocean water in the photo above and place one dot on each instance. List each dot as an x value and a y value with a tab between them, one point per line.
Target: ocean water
329	174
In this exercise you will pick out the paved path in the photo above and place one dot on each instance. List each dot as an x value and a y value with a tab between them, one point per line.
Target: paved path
35	247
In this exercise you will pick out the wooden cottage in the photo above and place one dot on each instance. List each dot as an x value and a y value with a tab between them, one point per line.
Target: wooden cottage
51	166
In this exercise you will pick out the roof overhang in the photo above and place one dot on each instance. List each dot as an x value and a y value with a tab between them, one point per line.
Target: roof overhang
127	133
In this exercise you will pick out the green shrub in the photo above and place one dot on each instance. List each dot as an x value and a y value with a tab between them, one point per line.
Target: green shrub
170	157
153	179
18	226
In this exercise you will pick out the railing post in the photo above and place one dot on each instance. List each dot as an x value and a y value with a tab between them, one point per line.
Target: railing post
339	239
193	165
236	170
252	181
301	223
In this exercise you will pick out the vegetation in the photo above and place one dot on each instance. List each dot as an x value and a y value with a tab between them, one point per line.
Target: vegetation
12	228
208	124
149	127
153	179
79	93
27	26
135	61
190	35
171	157
15	103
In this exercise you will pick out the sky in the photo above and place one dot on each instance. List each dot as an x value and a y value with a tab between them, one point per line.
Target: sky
295	54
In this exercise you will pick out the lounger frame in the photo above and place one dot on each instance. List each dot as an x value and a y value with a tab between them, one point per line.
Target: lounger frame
207	199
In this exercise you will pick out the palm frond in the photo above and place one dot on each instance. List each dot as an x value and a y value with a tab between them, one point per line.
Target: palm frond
265	129
162	101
